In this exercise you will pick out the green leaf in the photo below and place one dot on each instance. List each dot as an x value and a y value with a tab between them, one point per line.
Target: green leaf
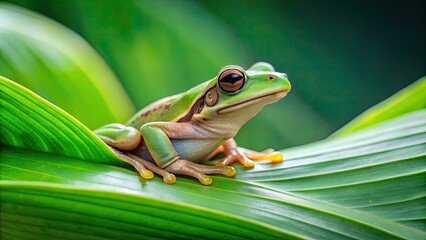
348	187
31	122
60	66
410	99
73	194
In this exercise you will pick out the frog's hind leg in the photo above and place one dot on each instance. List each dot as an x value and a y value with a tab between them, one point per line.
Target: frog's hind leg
121	139
198	171
124	138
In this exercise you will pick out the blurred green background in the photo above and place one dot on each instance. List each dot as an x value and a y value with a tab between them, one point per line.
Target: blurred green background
341	57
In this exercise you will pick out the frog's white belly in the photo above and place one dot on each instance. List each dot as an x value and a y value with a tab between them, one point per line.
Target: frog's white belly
196	150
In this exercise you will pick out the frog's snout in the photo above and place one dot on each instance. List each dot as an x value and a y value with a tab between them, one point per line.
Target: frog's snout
287	83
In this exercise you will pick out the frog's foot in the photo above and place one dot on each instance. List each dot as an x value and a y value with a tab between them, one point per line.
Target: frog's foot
144	167
245	156
168	178
198	171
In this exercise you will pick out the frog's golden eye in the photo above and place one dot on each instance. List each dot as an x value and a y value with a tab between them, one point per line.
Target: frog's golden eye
232	80
211	97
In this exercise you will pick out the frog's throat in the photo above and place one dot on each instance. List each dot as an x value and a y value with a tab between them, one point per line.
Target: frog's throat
269	98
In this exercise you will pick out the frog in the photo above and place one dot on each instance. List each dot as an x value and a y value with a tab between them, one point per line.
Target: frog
180	134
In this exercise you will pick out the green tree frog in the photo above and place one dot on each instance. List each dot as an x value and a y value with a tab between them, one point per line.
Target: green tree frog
175	134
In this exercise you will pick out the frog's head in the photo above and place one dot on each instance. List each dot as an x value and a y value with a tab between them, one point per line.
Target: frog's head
237	94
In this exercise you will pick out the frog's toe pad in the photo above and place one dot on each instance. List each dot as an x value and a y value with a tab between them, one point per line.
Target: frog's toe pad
169	178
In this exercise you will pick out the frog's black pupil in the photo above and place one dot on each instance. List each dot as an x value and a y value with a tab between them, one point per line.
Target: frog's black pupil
232	78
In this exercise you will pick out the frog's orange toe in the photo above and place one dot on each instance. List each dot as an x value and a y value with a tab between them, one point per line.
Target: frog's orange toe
275	157
269	154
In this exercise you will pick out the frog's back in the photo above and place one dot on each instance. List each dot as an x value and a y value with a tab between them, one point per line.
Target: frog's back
169	109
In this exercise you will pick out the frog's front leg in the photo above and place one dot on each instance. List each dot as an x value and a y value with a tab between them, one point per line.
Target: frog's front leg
157	139
233	154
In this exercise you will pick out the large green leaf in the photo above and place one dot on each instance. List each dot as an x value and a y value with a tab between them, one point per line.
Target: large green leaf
73	194
348	187
59	65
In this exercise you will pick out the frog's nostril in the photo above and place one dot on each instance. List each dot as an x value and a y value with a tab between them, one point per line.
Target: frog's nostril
271	77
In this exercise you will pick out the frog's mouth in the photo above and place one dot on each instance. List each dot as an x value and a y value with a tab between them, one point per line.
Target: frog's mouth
271	97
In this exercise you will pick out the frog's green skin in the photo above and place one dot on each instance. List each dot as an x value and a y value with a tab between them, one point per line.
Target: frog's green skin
184	127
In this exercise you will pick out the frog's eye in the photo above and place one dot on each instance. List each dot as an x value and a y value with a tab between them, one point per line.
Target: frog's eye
232	80
211	97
